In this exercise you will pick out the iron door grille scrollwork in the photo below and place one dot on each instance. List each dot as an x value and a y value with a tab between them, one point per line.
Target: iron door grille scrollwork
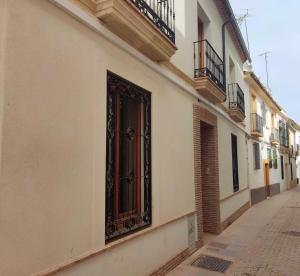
128	158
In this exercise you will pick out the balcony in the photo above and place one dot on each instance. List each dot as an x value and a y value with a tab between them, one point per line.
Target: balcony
236	102
274	139
147	25
257	130
284	144
209	72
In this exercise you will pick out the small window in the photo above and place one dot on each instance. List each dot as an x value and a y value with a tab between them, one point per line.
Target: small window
256	153
128	158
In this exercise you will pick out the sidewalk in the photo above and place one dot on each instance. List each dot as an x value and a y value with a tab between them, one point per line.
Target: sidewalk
264	241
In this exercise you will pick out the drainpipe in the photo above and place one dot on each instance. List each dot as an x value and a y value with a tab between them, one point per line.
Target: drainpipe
224	52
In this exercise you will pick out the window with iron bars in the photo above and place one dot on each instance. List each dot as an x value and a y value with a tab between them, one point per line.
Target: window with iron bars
275	161
256	152
128	158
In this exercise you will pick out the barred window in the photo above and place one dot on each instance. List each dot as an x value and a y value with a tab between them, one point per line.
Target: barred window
282	167
270	158
275	161
128	158
235	167
256	153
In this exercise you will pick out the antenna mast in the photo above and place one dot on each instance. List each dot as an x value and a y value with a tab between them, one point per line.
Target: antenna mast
266	55
243	19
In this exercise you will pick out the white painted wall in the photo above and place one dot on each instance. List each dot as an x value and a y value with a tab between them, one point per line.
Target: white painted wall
225	158
230	205
187	34
257	176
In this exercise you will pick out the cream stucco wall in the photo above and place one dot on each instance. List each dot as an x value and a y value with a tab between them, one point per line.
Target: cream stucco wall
186	33
225	157
143	254
257	176
257	179
230	205
54	136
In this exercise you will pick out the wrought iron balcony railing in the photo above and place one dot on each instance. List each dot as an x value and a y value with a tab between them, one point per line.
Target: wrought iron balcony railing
257	123
283	140
283	134
275	136
207	63
236	97
161	13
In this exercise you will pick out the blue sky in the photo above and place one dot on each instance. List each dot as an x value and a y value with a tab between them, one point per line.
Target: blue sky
275	27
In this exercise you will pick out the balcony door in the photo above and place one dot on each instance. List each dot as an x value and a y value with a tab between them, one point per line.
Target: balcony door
201	45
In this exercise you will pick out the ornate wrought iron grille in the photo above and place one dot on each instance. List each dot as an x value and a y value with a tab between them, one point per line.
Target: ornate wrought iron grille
207	63
161	13
236	97
257	123
124	183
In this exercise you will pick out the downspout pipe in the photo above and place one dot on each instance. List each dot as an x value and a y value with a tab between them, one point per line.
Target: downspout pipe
224	51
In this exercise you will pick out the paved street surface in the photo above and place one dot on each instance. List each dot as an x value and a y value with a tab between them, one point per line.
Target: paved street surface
265	241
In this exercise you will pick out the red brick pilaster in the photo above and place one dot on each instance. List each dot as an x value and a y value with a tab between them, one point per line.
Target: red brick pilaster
206	165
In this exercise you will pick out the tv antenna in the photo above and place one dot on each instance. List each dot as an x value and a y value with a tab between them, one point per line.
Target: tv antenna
266	56
243	19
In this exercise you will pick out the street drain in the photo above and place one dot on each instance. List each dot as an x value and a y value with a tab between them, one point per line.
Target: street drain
212	263
292	233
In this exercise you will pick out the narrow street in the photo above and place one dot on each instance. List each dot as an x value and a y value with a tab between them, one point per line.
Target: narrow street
264	241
